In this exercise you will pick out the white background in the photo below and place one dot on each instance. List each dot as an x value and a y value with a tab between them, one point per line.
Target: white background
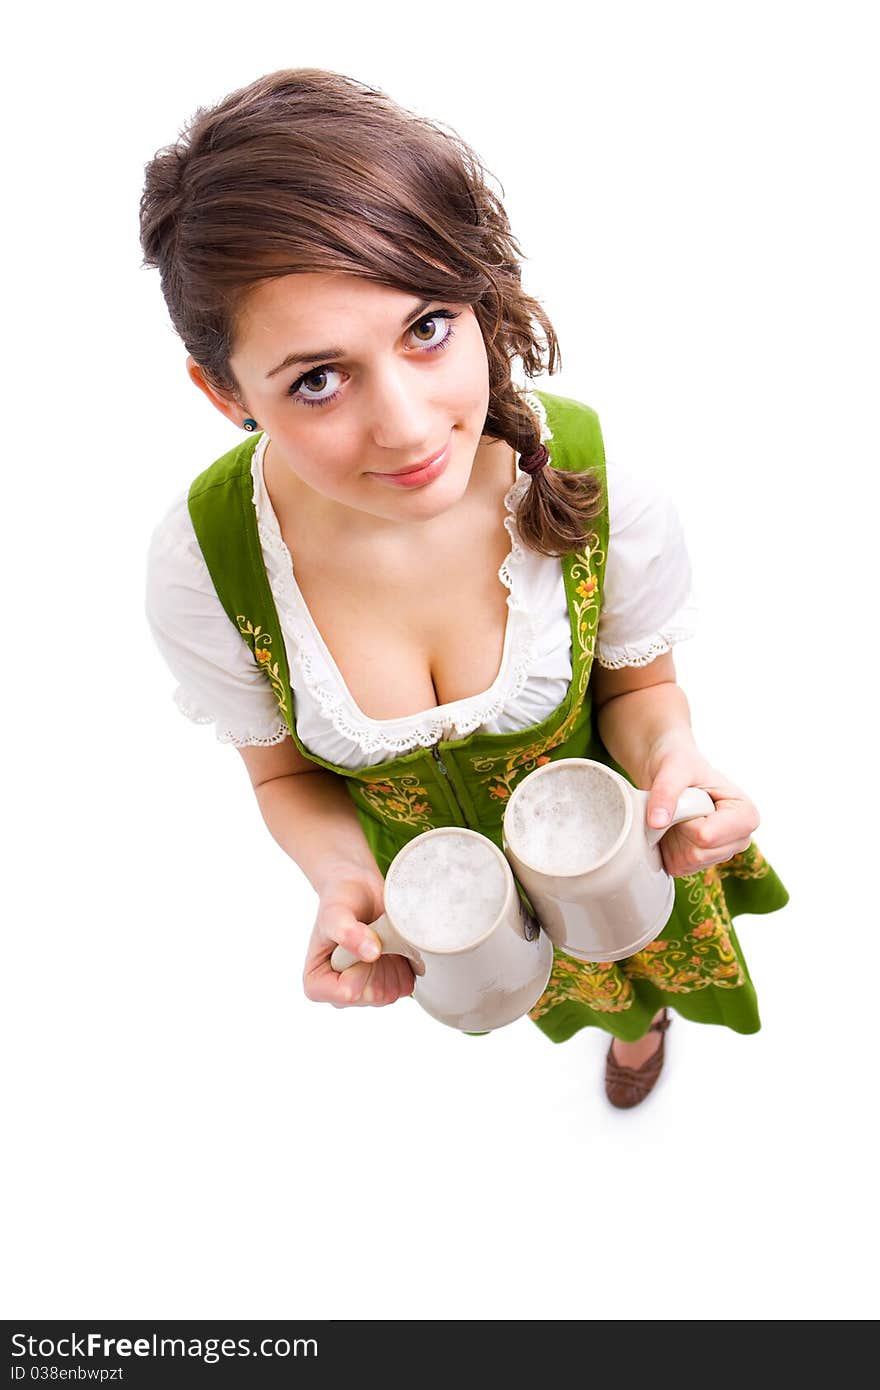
187	1136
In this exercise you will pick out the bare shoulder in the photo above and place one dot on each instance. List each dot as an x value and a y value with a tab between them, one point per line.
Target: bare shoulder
284	759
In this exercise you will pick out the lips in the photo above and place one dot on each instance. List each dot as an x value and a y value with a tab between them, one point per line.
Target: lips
416	467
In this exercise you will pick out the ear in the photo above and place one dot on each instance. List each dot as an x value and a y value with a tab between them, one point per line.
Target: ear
225	404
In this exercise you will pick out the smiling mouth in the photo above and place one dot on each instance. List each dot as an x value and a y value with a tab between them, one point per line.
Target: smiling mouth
417	467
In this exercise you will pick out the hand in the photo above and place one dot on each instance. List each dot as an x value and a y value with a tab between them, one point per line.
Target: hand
345	908
707	840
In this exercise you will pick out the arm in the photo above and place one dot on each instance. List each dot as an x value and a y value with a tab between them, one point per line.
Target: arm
306	809
643	719
309	813
637	709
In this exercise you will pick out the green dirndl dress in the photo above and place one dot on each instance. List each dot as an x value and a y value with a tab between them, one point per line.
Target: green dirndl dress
696	965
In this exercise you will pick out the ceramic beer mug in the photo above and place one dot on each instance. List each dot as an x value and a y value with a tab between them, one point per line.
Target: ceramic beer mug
576	834
452	907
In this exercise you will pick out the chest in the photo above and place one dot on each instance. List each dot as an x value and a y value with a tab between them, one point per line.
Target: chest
412	628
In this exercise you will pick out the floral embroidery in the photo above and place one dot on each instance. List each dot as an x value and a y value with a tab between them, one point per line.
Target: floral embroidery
587	588
599	984
749	863
501	789
587	610
517	764
704	956
400	799
263	656
672	966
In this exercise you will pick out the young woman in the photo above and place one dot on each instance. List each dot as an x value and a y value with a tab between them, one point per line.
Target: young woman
415	580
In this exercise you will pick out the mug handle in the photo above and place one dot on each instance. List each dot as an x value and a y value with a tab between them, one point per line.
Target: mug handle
392	945
692	803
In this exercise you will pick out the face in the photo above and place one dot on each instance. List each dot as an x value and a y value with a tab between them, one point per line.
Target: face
394	381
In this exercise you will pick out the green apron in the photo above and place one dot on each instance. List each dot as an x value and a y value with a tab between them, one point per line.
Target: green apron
696	965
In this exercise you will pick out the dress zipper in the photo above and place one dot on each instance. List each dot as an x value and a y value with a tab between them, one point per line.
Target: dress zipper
435	750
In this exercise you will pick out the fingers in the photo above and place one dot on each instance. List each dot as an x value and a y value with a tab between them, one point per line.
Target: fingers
373	985
366	982
681	859
341	988
405	975
732	822
706	841
735	817
353	986
373	978
387	985
339	926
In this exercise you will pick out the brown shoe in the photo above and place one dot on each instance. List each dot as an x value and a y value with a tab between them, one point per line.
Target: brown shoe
626	1086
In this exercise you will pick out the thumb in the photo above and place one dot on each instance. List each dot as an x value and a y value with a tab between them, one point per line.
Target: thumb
662	801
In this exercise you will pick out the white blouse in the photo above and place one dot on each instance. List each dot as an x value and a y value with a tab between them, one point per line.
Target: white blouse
647	605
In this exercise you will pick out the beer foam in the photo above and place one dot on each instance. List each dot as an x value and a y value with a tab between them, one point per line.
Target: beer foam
565	821
446	892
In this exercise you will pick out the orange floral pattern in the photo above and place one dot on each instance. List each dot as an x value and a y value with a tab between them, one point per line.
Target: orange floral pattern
586	607
402	800
260	642
598	984
506	769
677	962
749	863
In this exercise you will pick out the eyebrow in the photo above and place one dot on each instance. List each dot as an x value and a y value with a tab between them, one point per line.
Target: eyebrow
295	358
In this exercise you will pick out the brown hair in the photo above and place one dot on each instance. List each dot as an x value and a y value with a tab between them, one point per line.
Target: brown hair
306	170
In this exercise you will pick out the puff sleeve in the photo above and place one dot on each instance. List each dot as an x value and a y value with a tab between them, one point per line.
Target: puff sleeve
218	680
648	598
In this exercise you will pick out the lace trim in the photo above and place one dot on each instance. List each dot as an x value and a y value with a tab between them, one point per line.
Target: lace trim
247	741
337	705
644	652
198	716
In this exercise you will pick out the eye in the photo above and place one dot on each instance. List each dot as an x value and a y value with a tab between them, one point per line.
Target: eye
320	374
434	319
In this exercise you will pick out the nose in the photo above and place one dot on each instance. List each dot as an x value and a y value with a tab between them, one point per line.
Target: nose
403	421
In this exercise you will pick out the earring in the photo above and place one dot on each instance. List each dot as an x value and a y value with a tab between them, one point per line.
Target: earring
249	424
